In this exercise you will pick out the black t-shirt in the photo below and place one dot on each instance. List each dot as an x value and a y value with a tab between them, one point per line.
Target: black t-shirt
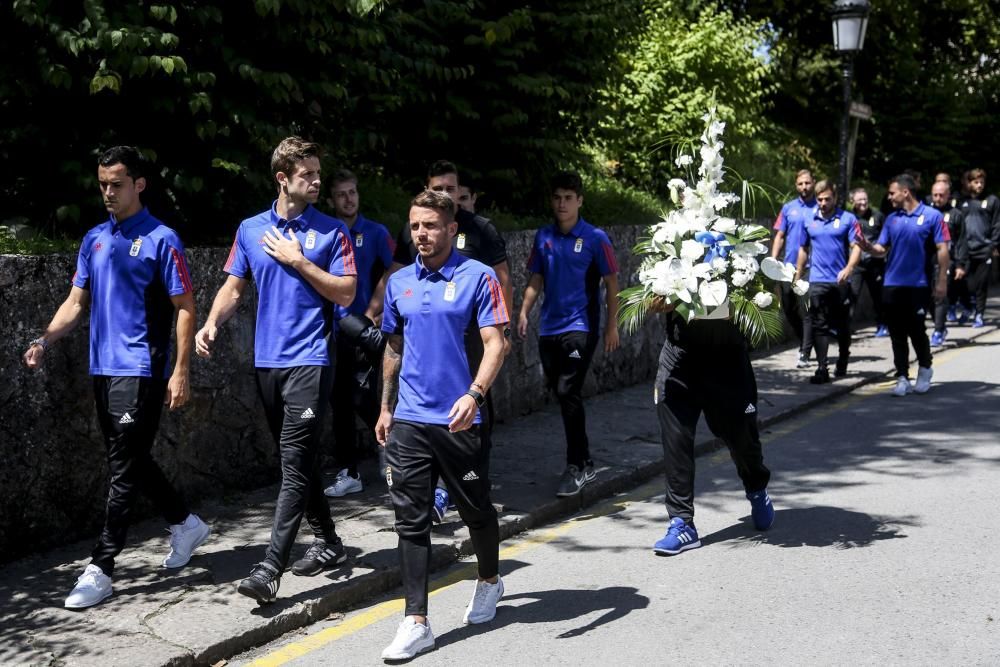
477	239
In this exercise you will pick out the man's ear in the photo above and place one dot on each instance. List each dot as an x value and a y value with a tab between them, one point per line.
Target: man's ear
140	184
282	180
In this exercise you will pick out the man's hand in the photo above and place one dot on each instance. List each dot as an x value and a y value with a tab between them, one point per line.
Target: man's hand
843	276
178	390
462	413
611	340
204	339
34	356
285	249
863	243
383	427
959	273
522	326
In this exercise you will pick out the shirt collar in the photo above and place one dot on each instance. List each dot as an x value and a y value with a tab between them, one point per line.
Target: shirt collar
128	224
918	211
447	270
837	213
806	203
302	221
576	230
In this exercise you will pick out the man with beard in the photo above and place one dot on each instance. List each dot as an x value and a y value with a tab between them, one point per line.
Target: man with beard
870	271
788	237
942	200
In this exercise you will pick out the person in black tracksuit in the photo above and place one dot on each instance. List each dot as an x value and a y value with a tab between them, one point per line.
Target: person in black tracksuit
978	247
870	271
704	367
958	293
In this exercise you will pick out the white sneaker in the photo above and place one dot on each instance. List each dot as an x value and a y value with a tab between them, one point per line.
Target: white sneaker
924	376
184	539
903	386
411	638
483	606
92	587
343	485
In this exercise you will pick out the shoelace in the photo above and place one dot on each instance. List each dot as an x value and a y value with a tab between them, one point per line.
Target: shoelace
316	548
261	573
88	578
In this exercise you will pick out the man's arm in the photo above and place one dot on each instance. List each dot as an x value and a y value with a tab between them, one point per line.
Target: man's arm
852	261
392	362
287	250
777	244
535	285
223	307
463	412
179	387
944	262
800	264
611	340
66	318
503	277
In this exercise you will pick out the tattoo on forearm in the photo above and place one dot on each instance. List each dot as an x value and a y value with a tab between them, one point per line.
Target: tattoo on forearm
391	364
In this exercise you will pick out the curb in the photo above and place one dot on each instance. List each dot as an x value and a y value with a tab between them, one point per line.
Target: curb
365	587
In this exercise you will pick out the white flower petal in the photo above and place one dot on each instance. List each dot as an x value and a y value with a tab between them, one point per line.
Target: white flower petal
691	249
801	287
776	270
763	299
713	293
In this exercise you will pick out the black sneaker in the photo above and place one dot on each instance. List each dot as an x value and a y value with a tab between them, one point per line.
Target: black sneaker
822	376
262	584
319	556
841	369
573	479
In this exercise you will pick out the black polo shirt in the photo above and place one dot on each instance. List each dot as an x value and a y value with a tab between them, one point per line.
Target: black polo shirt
476	239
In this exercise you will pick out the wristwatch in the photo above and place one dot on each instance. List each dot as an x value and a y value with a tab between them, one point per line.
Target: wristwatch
506	332
39	341
477	397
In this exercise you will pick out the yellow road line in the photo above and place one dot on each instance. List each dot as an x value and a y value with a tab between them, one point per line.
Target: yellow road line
395	607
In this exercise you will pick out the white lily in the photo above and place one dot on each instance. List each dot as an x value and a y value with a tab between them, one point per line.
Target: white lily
763	299
724	226
691	249
776	270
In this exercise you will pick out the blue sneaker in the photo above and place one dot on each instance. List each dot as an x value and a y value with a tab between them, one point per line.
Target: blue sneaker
938	337
964	317
761	509
952	316
441	501
882	331
680	537
978	322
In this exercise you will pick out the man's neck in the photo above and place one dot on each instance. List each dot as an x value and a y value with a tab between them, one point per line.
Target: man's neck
565	226
910	205
125	215
288	208
349	221
826	215
862	212
437	261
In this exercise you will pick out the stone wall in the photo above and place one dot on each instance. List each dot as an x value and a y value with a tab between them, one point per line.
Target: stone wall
53	476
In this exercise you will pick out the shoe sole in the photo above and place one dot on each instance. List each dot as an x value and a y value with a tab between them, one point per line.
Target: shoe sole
667	552
425	649
197	543
251	593
333	562
92	604
328	494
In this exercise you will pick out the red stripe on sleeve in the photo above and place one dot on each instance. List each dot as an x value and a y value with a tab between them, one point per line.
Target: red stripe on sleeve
232	256
347	253
500	307
609	255
945	232
182	270
777	221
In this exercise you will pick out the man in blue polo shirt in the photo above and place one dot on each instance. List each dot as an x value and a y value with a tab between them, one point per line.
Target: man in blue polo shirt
132	271
788	237
355	381
830	241
303	263
431	410
568	260
910	233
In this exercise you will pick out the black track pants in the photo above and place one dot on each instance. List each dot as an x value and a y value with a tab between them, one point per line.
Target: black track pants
906	310
870	273
355	387
979	281
414	454
794	308
565	360
707	370
128	410
294	402
829	309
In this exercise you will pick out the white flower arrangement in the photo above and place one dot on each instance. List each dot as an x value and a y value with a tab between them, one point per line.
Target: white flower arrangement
701	263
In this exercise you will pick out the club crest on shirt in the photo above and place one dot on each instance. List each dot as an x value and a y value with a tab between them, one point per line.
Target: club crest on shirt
359	240
134	250
983	205
460	241
310	239
836	223
947	217
871	221
578	246
920	220
449	292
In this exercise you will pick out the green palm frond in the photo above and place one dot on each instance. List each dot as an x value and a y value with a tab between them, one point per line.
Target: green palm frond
634	303
759	325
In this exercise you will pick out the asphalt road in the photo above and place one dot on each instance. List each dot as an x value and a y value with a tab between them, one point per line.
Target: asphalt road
884	550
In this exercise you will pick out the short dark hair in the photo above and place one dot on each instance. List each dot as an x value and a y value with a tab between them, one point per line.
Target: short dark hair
567	180
440	168
905	181
134	161
973	174
290	151
342	176
439	201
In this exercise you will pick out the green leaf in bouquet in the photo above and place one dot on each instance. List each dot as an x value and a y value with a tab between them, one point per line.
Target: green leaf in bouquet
634	307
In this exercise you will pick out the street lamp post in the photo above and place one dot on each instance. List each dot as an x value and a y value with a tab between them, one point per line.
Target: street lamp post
850	22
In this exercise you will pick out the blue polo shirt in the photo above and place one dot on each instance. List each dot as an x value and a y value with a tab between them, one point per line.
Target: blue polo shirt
909	237
792	220
830	240
293	319
572	266
431	310
373	248
131	268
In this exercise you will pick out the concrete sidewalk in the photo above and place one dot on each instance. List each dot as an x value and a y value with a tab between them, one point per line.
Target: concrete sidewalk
195	616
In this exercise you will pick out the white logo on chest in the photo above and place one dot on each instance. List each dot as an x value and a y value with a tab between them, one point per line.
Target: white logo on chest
134	250
449	292
310	240
460	241
578	246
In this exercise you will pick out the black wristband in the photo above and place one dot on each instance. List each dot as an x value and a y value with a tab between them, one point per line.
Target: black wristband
477	397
